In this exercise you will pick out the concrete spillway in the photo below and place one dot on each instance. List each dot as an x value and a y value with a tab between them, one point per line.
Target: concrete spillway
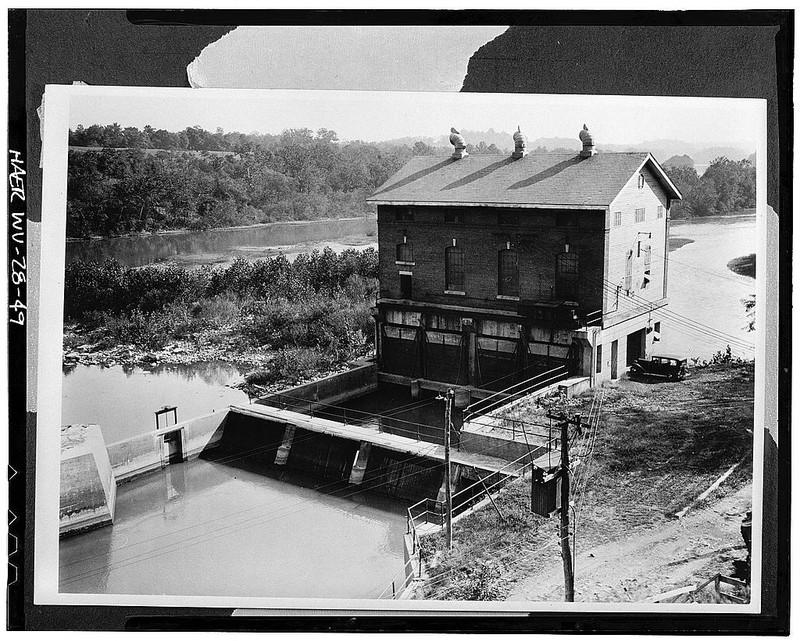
358	455
392	442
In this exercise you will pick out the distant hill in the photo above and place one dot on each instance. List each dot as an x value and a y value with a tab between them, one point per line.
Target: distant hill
709	154
678	161
500	139
555	143
663	149
153	152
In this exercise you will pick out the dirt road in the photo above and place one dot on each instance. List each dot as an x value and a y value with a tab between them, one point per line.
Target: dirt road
675	554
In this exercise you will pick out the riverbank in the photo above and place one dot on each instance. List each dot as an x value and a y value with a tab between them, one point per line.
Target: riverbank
659	447
208	346
369	216
287	322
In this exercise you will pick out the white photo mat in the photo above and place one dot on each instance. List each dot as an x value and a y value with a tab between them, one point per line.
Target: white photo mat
59	100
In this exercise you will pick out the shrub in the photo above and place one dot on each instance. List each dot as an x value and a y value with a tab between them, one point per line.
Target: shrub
482	582
90	287
291	366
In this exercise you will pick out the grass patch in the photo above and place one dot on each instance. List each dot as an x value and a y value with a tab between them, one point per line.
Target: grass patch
659	446
677	243
744	265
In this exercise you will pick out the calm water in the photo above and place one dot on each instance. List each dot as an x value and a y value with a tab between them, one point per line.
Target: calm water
702	290
205	528
122	401
217	245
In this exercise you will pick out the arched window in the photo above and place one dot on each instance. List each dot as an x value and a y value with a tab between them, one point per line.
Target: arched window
405	252
507	273
566	275
454	269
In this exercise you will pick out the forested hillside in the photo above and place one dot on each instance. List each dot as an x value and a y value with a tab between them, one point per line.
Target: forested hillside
725	187
129	180
123	181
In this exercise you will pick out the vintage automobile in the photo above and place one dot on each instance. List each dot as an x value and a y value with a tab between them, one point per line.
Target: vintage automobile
672	368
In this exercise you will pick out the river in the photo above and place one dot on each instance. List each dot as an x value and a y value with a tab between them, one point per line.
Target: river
221	246
221	529
705	312
215	528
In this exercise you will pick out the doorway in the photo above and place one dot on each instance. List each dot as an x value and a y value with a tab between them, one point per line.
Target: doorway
614	352
636	343
172	447
405	286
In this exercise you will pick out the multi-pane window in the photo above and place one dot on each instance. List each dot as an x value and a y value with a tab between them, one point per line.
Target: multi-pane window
660	211
453	216
599	364
566	274
507	273
510	218
617	218
640	215
641	181
405	253
454	269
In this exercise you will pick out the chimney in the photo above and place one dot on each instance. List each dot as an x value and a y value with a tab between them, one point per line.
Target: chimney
520	145
457	140
588	143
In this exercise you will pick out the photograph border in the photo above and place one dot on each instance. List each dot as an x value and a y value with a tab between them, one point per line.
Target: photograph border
23	614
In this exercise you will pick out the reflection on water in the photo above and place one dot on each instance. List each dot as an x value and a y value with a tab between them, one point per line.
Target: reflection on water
136	251
122	400
203	528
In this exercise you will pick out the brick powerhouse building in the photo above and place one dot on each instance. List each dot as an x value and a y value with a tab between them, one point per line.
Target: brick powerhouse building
495	268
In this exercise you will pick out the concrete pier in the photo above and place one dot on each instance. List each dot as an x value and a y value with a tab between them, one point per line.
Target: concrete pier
88	489
286	446
360	465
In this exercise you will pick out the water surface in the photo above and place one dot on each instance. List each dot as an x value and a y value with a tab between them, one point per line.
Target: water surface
122	400
705	312
207	528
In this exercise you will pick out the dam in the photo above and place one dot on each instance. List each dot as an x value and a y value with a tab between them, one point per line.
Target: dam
255	470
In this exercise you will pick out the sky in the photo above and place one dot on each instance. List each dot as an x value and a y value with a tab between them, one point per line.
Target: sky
375	115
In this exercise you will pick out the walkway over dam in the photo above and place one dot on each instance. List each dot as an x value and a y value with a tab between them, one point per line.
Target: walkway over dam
375	437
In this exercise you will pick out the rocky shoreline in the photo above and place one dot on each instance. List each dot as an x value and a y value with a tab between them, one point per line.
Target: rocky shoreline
201	347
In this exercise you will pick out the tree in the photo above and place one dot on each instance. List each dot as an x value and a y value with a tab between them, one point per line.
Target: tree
686	180
734	182
421	149
702	200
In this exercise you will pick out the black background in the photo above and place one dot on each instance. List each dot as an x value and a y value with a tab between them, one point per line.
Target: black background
741	54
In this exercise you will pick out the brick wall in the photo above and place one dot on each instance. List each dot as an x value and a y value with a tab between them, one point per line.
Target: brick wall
536	237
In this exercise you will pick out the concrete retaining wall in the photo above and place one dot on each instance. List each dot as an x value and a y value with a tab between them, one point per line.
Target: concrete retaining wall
141	454
87	488
492	444
331	389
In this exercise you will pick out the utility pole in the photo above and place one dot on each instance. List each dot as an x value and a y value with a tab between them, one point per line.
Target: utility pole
447	492
566	555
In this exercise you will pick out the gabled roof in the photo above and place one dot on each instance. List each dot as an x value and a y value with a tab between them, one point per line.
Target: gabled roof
548	180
